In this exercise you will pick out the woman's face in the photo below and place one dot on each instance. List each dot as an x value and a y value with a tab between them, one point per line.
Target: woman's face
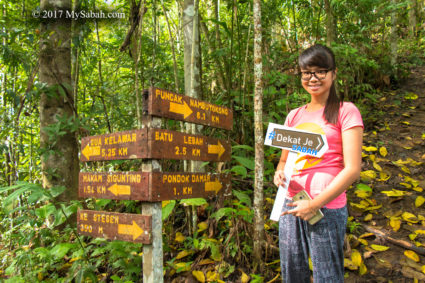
317	81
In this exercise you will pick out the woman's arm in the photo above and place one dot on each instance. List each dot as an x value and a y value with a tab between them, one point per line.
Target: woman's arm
352	152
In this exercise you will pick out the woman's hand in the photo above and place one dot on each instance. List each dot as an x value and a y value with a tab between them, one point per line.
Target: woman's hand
303	209
279	178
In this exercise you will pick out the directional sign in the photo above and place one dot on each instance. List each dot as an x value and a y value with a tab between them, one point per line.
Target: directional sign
296	140
168	186
152	186
168	104
156	144
115	226
114	185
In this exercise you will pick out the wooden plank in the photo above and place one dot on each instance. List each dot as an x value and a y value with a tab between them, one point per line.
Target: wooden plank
154	144
115	226
165	144
152	186
114	185
164	103
169	186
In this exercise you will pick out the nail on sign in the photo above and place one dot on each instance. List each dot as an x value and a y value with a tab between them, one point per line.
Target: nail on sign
296	140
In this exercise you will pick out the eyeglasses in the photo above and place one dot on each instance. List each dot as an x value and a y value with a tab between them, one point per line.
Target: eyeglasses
320	75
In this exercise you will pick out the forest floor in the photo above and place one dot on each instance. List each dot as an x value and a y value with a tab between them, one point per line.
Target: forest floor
387	241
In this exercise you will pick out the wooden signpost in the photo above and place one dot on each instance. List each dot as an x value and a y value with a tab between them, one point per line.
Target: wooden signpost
164	103
154	144
297	142
115	226
149	185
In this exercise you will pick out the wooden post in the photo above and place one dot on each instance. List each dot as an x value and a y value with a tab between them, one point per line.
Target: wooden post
152	254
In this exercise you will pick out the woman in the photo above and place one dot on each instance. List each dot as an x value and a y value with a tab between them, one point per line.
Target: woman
325	179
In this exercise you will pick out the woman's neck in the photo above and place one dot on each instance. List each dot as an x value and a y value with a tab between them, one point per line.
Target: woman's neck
316	103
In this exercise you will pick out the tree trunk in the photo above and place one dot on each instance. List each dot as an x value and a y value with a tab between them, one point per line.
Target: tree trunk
330	23
394	35
412	18
259	142
60	165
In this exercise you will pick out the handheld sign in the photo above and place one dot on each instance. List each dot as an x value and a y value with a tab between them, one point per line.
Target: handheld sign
164	103
156	144
115	226
152	186
297	142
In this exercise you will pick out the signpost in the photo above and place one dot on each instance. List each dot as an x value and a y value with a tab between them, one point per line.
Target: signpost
164	103
297	142
154	144
151	185
115	226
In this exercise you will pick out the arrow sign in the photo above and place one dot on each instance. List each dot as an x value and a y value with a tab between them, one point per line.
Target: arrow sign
216	149
164	103
115	226
133	230
90	151
117	190
300	141
179	108
213	186
297	142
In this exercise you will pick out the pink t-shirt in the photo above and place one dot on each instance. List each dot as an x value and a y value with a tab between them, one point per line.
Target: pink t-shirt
314	174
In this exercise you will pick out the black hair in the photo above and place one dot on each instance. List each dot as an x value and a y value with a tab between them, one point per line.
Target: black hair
322	56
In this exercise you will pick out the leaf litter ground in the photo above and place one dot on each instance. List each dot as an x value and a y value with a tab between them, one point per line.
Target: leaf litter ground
387	238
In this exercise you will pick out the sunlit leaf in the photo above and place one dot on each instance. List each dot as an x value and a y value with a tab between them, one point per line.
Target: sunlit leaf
368	175
395	223
407	147
179	237
423	269
356	257
384	176
369	148
183	254
394	193
379	247
362	269
377	166
405	169
372	157
199	275
383	151
202	226
412	255
211	276
406	122
244	278
375	207
363	242
412	181
409	217
362	194
349	264
419	201
412	236
368	217
411	96
418	189
406	185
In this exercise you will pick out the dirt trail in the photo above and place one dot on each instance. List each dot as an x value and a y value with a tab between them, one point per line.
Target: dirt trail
402	132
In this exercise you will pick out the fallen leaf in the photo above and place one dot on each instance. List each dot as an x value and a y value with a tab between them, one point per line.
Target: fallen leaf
362	269
405	169
406	122
412	255
179	237
350	265
244	277
420	200
418	189
379	247
384	176
369	148
377	166
395	223
394	193
412	237
356	257
368	175
409	217
363	242
383	151
206	261
199	275
202	226
368	217
183	254
406	185
411	96
423	269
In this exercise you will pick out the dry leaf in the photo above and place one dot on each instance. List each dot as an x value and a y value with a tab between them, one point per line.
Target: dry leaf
384	176
376	166
409	217
179	237
411	96
368	175
350	265
244	277
395	223
183	254
383	151
369	148
419	201
379	247
199	275
412	255
368	217
202	226
362	269
356	257
405	169
394	193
